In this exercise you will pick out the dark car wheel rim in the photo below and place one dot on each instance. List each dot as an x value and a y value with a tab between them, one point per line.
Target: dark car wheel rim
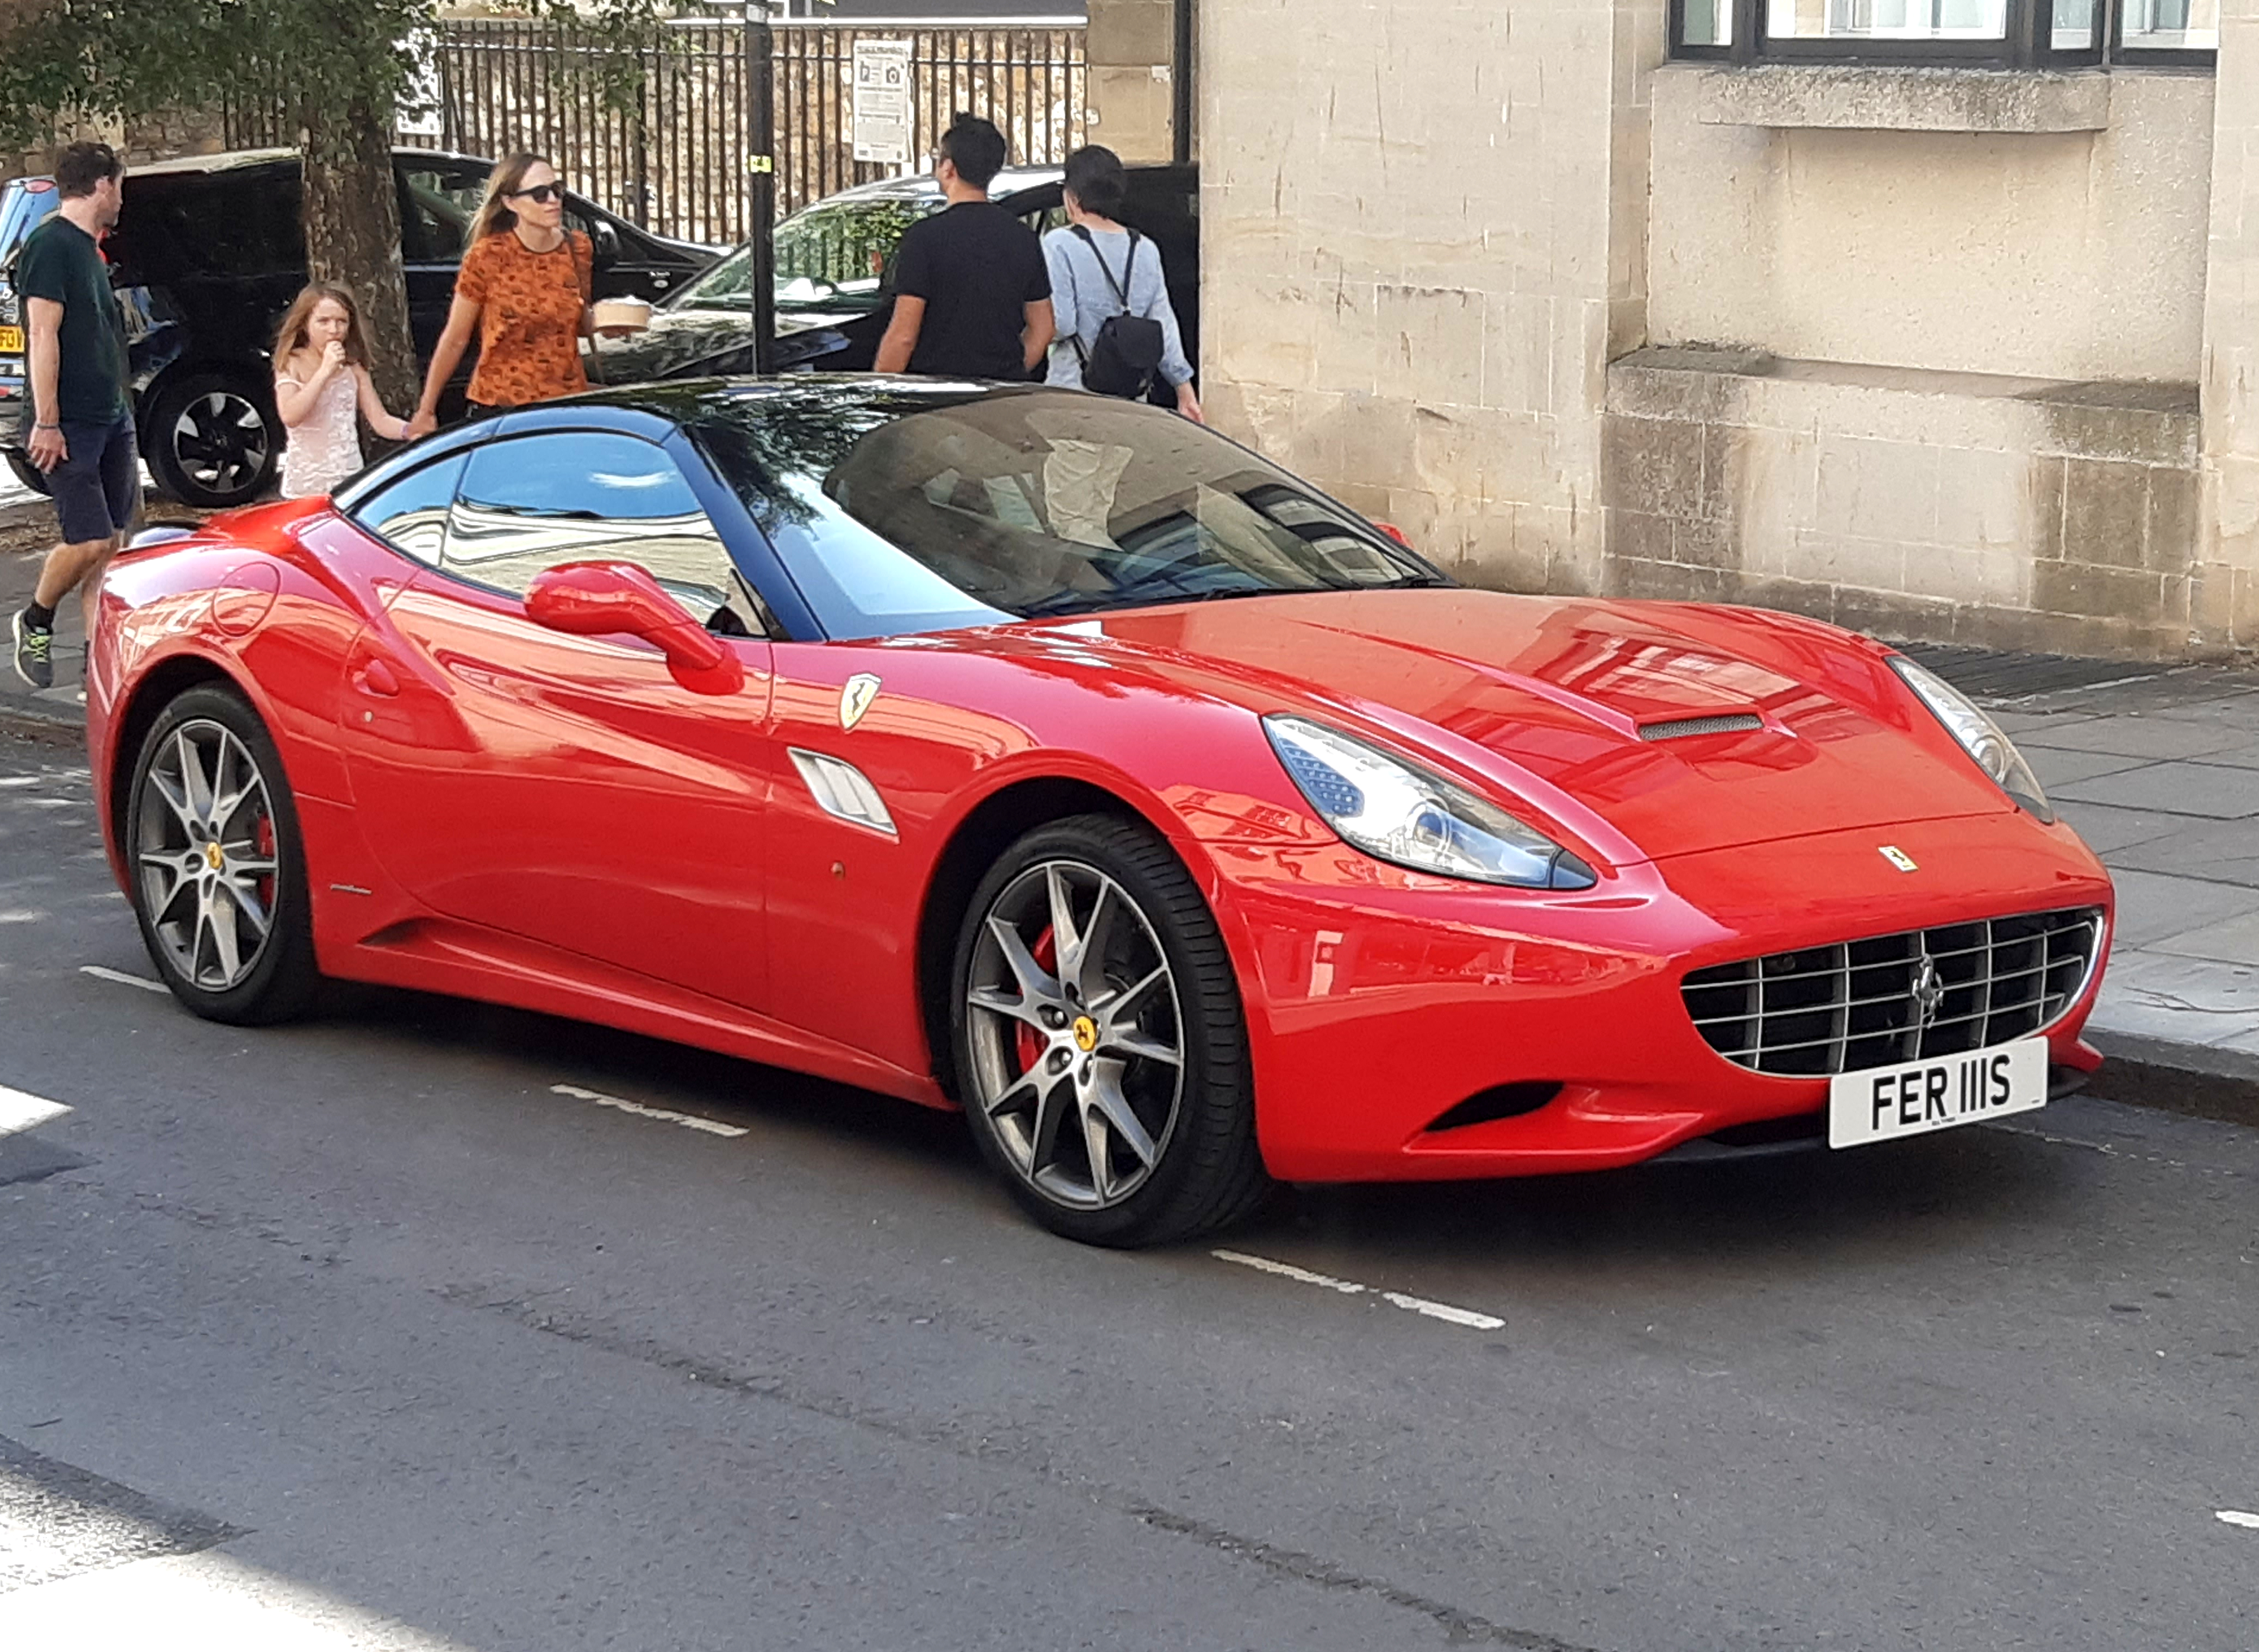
219	442
204	852
1075	1032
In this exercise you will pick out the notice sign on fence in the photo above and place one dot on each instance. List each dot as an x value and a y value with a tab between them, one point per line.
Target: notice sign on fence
882	101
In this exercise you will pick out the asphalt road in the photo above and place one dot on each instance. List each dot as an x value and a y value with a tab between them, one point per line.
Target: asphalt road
360	1333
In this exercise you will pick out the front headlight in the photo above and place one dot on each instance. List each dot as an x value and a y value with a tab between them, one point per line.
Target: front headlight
1979	736
1402	814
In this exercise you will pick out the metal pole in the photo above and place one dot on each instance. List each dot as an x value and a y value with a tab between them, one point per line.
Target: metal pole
1184	43
760	179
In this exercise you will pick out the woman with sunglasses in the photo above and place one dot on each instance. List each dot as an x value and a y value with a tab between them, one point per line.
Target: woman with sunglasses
523	289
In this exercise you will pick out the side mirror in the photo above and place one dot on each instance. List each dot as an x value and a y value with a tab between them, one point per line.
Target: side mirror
614	599
1395	532
605	239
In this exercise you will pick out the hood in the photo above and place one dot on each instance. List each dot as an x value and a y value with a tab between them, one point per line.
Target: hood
1572	705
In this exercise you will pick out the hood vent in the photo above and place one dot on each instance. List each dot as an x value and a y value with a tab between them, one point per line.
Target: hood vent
1684	728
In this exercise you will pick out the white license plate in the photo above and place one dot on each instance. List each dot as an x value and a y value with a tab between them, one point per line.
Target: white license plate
1881	1104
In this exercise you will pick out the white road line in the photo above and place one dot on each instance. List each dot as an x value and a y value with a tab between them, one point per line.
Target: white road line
1443	1311
1287	1271
1467	1317
19	1111
121	978
2237	1517
712	1126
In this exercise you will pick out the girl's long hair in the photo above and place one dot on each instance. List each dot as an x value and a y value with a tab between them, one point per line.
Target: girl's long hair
505	181
291	335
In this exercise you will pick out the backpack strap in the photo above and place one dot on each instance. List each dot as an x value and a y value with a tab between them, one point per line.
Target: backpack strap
1121	288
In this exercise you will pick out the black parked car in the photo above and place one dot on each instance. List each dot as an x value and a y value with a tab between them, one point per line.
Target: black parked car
207	255
834	276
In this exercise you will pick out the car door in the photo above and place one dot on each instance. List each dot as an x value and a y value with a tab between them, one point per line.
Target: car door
628	265
565	788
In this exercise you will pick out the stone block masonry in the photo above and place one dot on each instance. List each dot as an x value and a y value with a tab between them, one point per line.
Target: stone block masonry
1944	507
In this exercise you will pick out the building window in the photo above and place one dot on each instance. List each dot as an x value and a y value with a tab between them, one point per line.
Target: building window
2038	34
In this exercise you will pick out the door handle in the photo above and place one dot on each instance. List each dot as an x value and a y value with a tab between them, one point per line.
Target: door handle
377	678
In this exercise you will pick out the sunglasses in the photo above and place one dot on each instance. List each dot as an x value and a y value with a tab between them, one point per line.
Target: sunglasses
543	193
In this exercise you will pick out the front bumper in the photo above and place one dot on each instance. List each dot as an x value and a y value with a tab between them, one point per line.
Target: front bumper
1379	1000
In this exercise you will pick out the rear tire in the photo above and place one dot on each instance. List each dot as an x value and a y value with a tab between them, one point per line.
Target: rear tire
216	864
1099	1040
28	473
214	440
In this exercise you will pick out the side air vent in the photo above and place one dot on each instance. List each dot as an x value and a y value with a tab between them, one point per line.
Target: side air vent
1687	728
1500	1101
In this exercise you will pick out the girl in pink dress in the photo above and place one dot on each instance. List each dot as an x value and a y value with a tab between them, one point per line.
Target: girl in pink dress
321	378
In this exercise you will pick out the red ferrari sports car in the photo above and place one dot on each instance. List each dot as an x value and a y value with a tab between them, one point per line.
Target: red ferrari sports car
1052	758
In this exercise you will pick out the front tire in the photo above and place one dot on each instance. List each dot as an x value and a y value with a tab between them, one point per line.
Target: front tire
1100	1044
217	865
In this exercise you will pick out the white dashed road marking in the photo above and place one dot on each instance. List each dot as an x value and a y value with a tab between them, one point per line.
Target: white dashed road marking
1443	1311
1287	1271
712	1126
2237	1517
21	1111
121	978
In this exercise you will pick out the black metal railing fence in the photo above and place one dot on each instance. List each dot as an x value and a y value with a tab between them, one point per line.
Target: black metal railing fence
675	162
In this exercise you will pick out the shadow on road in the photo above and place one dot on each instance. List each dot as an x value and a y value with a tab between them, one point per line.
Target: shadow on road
1965	1192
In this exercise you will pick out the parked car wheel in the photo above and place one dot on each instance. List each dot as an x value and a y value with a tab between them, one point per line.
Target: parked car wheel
219	867
26	473
1099	1044
214	440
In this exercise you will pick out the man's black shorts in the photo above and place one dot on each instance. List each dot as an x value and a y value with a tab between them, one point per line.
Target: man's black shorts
94	488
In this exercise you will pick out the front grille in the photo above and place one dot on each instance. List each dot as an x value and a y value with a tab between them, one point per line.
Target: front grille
1830	1009
1726	722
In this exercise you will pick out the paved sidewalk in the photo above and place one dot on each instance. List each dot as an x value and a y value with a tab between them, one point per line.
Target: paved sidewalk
2158	767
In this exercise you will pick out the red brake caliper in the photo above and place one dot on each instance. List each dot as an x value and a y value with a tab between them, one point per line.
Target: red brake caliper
1026	1040
262	835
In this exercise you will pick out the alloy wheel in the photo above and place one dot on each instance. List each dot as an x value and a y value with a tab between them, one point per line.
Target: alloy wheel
204	853
219	442
1076	1038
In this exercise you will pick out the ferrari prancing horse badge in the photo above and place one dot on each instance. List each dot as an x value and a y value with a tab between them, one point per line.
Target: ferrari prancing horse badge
855	698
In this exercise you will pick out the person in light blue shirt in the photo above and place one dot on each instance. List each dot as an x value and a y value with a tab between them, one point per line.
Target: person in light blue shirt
1083	299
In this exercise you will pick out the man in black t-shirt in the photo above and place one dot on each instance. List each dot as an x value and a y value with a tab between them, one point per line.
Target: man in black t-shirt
81	421
972	295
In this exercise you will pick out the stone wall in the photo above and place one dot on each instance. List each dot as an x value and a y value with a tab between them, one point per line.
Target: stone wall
2052	253
1132	94
2228	545
1423	235
168	136
1910	504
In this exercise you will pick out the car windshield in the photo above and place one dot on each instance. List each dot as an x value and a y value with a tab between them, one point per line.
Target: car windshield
24	204
833	256
927	511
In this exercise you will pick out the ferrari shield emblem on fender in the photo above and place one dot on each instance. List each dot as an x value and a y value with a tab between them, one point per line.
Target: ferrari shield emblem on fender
855	698
1897	857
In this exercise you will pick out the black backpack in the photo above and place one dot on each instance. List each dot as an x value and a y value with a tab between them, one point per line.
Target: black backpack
1127	351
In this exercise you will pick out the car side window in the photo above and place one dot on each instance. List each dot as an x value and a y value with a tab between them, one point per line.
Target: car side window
530	502
410	513
436	210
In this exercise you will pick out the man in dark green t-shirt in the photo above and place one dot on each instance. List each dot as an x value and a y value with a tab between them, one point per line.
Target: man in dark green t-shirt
81	429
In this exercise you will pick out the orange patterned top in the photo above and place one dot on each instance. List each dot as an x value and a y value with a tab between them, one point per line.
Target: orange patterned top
530	308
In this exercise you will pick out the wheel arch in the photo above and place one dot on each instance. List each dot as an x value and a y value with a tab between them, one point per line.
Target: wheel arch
163	683
988	829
